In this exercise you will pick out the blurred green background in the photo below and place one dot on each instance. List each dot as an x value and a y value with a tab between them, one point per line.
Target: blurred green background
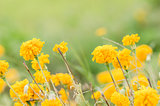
74	21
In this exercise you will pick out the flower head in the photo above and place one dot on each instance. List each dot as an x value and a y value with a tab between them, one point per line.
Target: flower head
12	75
31	48
124	58
146	97
43	58
39	76
104	77
119	99
130	40
3	67
62	46
53	102
158	83
2	85
143	51
63	78
64	95
104	54
97	95
101	31
2	50
139	80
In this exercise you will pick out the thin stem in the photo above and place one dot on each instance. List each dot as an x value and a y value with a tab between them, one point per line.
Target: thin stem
56	92
125	76
91	88
149	82
14	91
114	82
43	73
71	75
105	99
32	77
35	92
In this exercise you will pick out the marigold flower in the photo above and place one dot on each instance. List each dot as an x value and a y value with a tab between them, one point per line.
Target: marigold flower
64	95
146	97
143	51
119	99
139	80
53	102
19	89
2	85
18	104
158	83
2	50
63	78
62	46
31	48
3	67
136	65
104	54
12	75
42	59
130	40
97	95
104	77
124	58
101	31
39	76
108	90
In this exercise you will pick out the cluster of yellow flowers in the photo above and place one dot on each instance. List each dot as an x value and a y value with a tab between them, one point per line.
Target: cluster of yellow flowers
127	83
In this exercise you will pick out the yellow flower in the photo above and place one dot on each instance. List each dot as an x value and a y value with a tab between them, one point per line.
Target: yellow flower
31	48
97	95
19	89
3	67
2	85
101	31
136	63
119	99
104	54
158	83
143	51
64	95
146	97
36	89
18	104
42	59
12	75
53	102
63	78
39	76
2	50
140	80
104	77
108	90
124	58
62	46
130	40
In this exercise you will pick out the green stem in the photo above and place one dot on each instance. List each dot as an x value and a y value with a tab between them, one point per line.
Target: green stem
43	73
13	91
114	82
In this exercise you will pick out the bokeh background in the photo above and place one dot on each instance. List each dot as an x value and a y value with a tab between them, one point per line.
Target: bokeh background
74	21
